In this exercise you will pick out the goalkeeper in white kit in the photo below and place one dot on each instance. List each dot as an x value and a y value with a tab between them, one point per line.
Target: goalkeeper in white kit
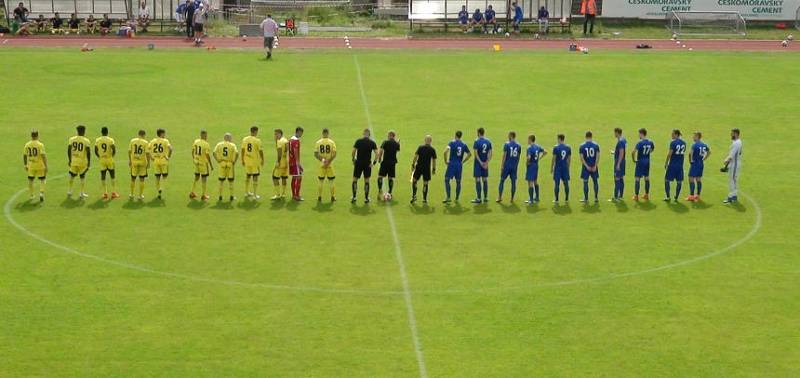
733	166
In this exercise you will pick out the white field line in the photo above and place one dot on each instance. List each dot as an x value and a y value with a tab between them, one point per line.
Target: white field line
367	292
398	252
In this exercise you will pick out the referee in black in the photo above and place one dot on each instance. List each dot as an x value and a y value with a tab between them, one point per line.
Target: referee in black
387	158
362	163
424	165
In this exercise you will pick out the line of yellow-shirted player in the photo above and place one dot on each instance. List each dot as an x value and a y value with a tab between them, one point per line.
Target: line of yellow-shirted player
156	153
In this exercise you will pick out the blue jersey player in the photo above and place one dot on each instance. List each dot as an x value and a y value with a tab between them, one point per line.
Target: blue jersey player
456	154
511	152
641	157
534	154
697	157
619	165
674	165
590	157
463	18
483	155
562	155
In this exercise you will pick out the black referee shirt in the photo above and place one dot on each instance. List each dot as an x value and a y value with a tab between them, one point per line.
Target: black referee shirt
364	148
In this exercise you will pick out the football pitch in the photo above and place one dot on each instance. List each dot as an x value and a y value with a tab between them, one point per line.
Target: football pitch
182	287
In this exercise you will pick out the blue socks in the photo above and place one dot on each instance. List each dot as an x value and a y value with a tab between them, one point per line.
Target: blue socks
678	189
691	188
478	188
536	187
458	189
557	184
586	189
636	187
530	194
646	186
500	187
447	188
486	189
666	188
699	187
513	188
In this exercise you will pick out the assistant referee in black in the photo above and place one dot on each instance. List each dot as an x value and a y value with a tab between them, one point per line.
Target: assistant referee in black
362	163
424	165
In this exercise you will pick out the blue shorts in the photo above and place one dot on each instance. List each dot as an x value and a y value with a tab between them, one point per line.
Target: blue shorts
561	174
453	171
621	171
696	170
585	174
642	169
509	172
674	173
462	21
478	171
532	173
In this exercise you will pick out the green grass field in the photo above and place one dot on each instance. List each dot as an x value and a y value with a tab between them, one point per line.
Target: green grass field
184	288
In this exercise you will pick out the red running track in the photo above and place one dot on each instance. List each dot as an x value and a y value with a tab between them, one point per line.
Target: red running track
395	43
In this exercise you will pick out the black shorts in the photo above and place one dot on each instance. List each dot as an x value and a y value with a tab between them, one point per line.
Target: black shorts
361	168
424	172
387	169
198	27
269	42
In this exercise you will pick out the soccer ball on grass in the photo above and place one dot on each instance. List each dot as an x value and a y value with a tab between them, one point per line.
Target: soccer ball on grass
387	197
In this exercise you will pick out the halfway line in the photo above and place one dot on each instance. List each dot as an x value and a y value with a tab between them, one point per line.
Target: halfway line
398	252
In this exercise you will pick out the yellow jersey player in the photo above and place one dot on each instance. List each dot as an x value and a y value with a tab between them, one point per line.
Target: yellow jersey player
35	161
281	171
226	154
325	152
159	152
138	162
105	149
201	156
252	160
79	157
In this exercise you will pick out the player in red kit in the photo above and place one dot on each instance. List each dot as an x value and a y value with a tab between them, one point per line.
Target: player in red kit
295	167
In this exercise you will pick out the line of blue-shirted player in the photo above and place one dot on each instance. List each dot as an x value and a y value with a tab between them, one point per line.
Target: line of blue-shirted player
457	153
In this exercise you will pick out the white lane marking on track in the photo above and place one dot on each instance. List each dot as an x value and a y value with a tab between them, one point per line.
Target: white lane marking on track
398	252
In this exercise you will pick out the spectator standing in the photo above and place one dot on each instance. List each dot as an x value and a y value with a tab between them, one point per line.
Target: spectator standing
199	21
188	15
517	17
144	16
21	13
180	10
543	19
270	28
589	11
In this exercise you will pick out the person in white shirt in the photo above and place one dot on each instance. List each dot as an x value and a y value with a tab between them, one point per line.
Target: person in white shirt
144	16
199	21
733	165
270	28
